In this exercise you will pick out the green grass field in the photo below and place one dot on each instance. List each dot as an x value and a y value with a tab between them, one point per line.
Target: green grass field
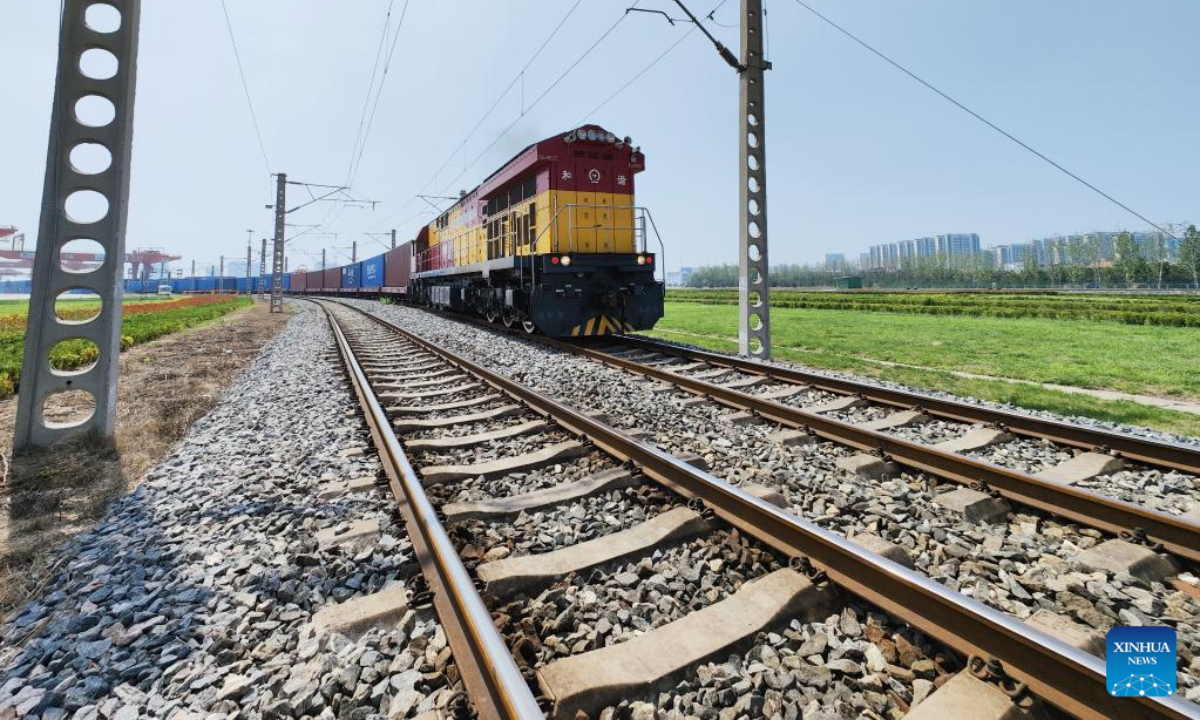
1138	359
1128	309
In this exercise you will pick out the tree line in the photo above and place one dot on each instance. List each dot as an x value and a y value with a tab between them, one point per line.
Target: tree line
1131	265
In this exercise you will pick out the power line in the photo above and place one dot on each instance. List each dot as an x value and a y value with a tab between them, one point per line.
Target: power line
539	98
379	95
516	78
245	87
362	119
985	121
639	75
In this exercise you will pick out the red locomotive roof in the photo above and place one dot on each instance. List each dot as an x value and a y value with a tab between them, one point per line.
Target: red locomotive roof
561	146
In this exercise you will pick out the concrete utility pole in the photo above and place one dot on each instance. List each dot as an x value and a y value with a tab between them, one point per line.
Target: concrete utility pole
393	238
193	268
754	297
249	251
221	277
322	258
65	187
277	255
262	270
754	302
353	251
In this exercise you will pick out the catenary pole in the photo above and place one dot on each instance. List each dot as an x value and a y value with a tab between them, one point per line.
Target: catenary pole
754	298
277	254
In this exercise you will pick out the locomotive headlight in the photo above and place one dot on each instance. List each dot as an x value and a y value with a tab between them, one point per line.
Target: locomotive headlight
566	260
610	138
641	260
593	135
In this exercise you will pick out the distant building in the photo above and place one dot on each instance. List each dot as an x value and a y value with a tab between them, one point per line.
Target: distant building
835	262
679	278
955	249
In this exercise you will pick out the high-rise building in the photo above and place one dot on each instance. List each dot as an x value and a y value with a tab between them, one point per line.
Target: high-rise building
957	248
835	262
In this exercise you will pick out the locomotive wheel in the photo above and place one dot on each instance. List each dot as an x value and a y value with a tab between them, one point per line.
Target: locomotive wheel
529	327
491	315
508	320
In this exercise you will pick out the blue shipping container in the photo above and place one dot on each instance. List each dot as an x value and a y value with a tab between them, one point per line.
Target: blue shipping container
206	284
187	285
351	276
372	272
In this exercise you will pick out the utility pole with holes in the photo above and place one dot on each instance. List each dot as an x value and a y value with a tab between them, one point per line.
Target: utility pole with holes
393	238
754	297
249	259
754	302
113	29
322	259
262	270
353	251
277	254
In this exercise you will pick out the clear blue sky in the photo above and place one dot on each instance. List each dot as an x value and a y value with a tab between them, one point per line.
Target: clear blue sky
858	153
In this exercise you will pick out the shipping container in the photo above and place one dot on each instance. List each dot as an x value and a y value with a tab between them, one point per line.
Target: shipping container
398	267
206	284
372	273
242	285
351	276
186	285
299	281
332	279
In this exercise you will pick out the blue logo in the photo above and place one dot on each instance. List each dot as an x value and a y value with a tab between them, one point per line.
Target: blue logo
1140	661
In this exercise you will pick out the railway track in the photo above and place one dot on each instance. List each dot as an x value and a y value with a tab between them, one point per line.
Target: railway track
512	447
879	422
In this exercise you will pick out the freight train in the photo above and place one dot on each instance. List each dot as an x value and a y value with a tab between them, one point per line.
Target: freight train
551	242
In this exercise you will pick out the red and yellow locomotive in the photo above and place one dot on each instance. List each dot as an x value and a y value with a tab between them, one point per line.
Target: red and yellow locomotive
552	241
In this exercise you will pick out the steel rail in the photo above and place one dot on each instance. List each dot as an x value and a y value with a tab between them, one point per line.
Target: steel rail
494	683
1176	534
1142	450
1064	676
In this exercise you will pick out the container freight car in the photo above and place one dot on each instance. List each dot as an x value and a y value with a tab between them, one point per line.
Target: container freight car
299	281
372	273
397	269
332	279
351	276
